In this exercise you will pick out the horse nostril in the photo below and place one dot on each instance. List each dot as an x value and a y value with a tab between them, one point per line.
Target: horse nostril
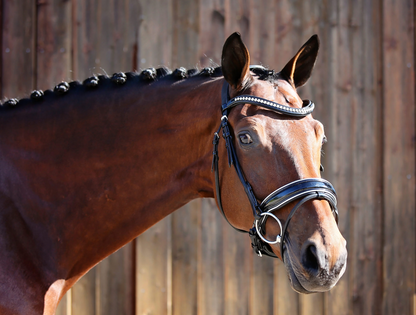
311	260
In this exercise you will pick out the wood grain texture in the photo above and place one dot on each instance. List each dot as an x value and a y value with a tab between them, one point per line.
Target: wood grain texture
152	276
185	225
54	43
155	34
210	261
18	48
399	156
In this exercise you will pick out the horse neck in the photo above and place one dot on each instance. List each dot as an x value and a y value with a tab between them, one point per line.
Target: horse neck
110	165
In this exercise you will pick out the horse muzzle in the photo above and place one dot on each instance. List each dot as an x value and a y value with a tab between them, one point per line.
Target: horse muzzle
314	271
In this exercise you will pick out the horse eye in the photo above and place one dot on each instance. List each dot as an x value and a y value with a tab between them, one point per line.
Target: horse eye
324	140
245	138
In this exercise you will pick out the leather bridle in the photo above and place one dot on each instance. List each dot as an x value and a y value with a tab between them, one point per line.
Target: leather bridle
302	190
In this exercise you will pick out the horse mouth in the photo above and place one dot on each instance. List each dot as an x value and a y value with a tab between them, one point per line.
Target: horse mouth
294	281
302	284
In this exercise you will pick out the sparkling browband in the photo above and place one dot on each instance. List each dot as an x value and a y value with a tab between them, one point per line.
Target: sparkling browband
307	108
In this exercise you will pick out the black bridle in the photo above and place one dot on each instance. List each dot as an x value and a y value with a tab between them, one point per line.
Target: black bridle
302	190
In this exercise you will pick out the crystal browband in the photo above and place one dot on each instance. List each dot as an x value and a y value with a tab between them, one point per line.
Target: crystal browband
307	108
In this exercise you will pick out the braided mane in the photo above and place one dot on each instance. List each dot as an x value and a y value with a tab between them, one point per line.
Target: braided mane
144	77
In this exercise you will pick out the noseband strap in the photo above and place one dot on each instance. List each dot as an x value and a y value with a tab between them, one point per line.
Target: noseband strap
302	190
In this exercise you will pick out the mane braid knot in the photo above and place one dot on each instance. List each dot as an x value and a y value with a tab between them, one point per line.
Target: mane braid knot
91	82
61	88
36	95
179	73
149	74
119	78
11	102
207	71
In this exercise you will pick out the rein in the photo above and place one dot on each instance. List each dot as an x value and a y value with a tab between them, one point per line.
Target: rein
303	189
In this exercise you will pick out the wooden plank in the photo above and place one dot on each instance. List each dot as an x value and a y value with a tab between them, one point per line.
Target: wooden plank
338	166
64	306
18	48
86	35
237	15
366	253
263	286
399	156
114	279
210	261
211	30
53	43
152	276
106	36
83	295
155	34
237	271
311	17
185	225
185	33
284	19
312	304
262	33
286	300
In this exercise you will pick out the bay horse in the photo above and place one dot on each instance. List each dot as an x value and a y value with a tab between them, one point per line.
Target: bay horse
87	167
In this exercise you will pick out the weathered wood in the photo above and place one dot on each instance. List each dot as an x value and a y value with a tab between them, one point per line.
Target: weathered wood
65	305
212	23
53	43
155	34
152	277
262	33
262	286
237	262
366	254
114	283
286	301
18	48
85	36
236	18
185	32
185	224
83	295
399	136
210	261
312	304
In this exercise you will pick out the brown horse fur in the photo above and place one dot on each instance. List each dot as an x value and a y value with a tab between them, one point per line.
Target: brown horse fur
86	170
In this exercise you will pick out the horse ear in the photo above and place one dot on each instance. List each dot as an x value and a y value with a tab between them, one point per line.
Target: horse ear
235	62
299	68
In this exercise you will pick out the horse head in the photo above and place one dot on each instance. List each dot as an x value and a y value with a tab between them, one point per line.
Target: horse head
276	147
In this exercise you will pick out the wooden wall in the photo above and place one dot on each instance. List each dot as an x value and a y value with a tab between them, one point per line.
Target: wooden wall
364	89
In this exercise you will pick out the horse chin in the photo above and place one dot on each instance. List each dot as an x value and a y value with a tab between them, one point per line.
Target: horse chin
294	281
